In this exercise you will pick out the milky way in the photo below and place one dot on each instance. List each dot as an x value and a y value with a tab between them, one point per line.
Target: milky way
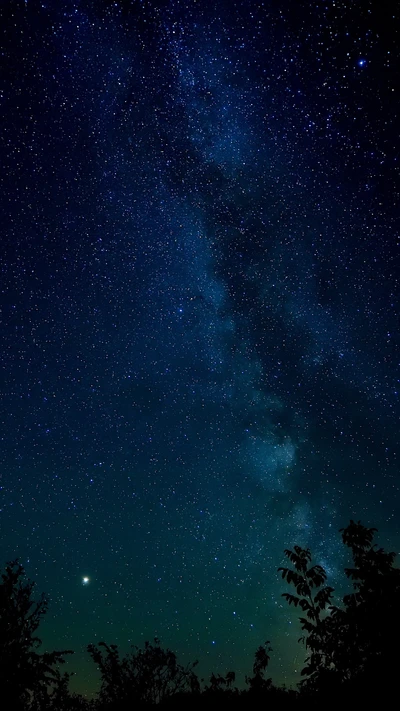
199	312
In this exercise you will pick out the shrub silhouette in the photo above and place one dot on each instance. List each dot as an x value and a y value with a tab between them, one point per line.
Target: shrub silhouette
144	677
258	683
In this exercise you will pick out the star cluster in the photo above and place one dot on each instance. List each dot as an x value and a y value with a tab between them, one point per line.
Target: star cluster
199	305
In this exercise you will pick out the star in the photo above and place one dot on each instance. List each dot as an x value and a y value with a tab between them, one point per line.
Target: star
198	287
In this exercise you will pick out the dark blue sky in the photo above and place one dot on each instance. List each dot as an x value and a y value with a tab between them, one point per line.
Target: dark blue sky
199	303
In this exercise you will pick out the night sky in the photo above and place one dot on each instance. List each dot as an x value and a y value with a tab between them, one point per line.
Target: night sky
199	311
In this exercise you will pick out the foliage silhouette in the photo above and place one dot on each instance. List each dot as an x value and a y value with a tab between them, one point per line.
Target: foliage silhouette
313	597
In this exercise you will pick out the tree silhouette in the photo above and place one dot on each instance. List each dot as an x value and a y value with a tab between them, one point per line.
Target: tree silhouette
350	646
369	624
26	676
144	677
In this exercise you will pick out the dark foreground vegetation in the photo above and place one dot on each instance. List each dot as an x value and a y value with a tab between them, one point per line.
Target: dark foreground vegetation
352	647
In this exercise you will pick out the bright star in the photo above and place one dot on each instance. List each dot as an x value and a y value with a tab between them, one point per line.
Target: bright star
85	580
362	62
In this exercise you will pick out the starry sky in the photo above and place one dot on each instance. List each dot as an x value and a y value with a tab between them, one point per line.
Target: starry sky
199	311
